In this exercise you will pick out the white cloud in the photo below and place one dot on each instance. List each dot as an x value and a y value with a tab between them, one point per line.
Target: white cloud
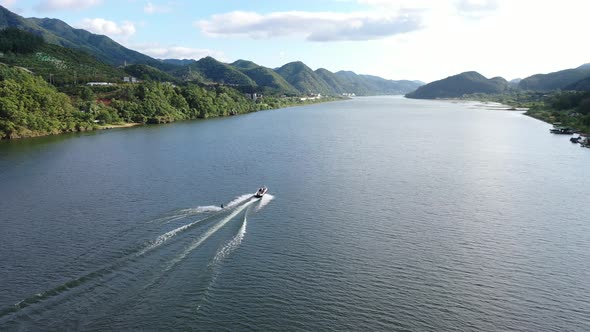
510	40
476	8
150	8
109	28
465	8
52	5
7	3
313	26
178	52
10	5
400	3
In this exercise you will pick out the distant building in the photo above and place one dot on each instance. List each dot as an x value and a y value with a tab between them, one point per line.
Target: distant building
311	96
129	79
99	83
252	96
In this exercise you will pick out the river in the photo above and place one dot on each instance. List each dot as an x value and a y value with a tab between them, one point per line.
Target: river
383	213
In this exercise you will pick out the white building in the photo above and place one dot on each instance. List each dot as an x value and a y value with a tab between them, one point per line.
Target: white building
99	83
129	79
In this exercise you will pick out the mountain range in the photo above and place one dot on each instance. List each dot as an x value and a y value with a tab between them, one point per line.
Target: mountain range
574	79
76	55
294	78
559	80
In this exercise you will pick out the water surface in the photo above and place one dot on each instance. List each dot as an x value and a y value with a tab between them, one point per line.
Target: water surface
384	214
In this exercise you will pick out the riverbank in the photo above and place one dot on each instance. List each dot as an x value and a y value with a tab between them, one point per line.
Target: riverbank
273	104
570	108
32	107
123	125
482	104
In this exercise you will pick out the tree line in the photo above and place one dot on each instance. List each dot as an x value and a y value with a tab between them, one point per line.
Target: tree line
29	106
571	108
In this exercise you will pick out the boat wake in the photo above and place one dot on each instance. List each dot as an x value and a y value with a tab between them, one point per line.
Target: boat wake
136	256
264	201
168	235
232	244
189	212
222	253
185	213
196	243
239	200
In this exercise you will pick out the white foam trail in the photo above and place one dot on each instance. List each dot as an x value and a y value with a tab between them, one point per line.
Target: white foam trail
201	209
122	260
180	214
166	219
207	234
232	244
166	236
239	200
264	201
224	252
170	219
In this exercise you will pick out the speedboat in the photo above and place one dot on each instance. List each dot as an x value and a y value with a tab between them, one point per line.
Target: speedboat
261	191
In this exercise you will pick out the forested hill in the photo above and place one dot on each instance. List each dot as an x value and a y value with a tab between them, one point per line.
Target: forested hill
559	80
303	78
267	79
57	32
324	81
209	70
369	84
459	85
29	106
294	78
581	85
574	79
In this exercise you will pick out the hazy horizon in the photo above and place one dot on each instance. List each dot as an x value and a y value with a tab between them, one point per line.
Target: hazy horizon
422	40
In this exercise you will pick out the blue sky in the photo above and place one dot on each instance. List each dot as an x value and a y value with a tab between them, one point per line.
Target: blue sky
396	39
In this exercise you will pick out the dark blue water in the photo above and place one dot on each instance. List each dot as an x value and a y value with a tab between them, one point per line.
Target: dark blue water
383	214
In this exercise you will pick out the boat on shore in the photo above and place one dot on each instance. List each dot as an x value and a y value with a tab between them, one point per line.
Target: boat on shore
261	191
562	130
558	128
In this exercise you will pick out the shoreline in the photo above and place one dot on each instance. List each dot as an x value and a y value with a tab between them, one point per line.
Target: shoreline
138	124
496	106
524	110
124	125
489	105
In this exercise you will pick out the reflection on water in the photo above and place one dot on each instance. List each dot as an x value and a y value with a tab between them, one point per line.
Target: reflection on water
382	214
